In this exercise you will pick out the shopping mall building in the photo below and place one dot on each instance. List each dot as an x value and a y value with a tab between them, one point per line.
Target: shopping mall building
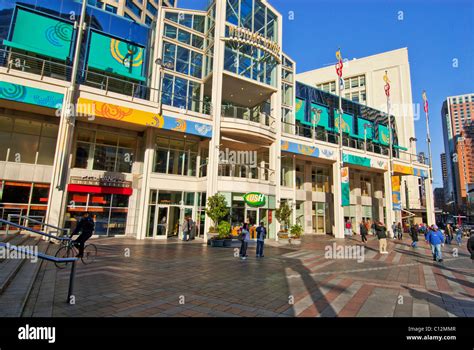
138	123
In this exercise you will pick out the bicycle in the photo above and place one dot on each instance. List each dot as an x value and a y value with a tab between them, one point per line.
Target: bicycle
69	250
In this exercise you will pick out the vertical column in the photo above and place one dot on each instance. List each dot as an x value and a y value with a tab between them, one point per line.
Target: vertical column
145	183
430	213
218	68
388	202
338	228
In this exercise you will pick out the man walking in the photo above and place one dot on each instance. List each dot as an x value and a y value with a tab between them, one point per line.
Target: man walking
244	237
381	232
414	230
186	228
363	231
435	239
261	235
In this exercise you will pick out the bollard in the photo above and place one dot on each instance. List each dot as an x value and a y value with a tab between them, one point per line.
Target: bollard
71	282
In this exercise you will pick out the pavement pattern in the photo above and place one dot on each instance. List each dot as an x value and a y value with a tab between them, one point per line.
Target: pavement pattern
190	279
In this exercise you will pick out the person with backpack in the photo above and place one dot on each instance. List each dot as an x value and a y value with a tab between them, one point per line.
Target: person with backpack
363	231
86	227
261	235
381	233
244	237
436	239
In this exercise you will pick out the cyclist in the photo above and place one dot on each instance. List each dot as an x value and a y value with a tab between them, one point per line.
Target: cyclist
86	227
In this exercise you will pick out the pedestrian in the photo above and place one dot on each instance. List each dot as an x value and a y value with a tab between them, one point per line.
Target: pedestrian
459	234
86	227
363	231
348	229
400	231
436	239
448	232
368	225
470	244
244	237
261	235
394	230
381	232
186	229
414	235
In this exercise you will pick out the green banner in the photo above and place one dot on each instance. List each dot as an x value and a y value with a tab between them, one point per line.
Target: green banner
116	56
384	135
356	160
367	132
347	123
300	109
33	96
41	34
320	115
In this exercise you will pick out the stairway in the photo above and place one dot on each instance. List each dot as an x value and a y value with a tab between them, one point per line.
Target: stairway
18	275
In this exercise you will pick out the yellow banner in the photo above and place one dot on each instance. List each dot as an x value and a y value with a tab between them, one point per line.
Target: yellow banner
402	169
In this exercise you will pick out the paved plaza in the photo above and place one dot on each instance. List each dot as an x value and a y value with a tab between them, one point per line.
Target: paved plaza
175	279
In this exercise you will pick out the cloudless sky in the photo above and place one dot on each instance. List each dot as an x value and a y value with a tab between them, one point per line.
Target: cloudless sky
436	32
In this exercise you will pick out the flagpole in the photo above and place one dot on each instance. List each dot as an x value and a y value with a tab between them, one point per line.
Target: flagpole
339	67
428	137
390	137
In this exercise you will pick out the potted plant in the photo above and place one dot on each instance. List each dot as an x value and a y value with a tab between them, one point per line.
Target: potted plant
224	233
216	210
283	215
295	234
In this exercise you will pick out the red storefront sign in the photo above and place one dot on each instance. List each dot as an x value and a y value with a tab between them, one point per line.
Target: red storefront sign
99	189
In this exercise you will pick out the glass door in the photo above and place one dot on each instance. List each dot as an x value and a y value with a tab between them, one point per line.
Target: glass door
174	221
162	222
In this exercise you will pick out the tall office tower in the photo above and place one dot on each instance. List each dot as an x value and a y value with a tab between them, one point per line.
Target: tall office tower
457	116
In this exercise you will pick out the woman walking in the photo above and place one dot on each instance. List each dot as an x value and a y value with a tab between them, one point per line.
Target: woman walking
363	231
244	237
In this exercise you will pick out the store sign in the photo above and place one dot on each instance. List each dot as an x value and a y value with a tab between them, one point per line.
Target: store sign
245	36
105	181
254	199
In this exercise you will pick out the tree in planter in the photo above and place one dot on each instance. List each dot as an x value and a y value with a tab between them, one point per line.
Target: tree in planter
283	215
296	231
216	209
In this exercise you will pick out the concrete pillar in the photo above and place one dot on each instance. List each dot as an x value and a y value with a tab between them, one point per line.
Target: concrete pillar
430	213
143	200
214	144
389	202
338	214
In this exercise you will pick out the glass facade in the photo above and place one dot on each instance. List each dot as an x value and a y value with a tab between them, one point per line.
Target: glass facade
176	156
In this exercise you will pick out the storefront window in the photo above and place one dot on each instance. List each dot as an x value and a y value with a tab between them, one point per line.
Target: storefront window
320	179
176	156
97	150
287	171
28	141
109	211
299	176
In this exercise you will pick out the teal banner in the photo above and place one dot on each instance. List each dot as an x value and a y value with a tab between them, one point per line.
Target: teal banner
41	34
300	109
356	160
320	115
115	56
34	96
345	187
367	132
347	123
384	135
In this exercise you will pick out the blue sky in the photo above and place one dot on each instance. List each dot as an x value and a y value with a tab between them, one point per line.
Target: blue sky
436	32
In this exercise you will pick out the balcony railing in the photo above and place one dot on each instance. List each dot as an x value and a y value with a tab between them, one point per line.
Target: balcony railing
29	64
250	114
247	172
321	134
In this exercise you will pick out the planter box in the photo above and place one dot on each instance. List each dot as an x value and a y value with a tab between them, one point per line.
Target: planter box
227	243
217	242
292	241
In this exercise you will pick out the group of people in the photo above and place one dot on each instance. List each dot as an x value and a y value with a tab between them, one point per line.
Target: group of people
244	237
432	234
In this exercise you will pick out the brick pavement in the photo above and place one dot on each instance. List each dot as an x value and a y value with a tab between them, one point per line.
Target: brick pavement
175	279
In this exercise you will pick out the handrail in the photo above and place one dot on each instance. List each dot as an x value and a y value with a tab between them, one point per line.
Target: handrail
29	218
34	231
45	256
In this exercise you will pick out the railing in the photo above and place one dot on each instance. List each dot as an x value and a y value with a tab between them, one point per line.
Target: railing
250	114
321	134
246	172
42	255
28	219
17	61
